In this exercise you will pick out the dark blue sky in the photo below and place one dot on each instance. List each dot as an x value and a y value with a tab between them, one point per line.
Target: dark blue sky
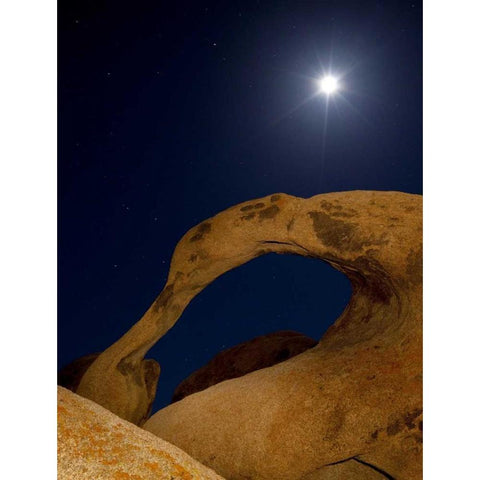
171	112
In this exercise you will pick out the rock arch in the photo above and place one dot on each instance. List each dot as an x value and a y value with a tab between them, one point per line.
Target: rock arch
357	395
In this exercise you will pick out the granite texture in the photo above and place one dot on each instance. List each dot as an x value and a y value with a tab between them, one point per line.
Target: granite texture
96	444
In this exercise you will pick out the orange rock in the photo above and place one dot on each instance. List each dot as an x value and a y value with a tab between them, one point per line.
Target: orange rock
87	448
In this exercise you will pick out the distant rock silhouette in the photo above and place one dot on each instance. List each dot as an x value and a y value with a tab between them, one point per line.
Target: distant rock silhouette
260	352
69	376
96	444
355	397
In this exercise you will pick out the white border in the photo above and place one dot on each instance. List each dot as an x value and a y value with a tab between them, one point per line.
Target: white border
451	196
28	238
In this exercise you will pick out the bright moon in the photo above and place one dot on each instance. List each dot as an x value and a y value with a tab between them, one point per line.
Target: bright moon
328	84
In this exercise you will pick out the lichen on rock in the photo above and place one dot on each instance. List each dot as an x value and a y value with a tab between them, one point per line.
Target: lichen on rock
95	444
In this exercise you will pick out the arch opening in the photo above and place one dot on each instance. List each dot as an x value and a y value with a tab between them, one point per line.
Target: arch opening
268	294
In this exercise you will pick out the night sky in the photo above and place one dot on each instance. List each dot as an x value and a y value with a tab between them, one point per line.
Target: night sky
171	112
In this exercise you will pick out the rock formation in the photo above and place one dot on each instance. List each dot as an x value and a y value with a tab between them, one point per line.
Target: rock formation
260	352
95	444
70	375
354	400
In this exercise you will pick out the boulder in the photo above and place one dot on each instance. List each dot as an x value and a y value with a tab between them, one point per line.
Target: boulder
70	375
260	352
96	444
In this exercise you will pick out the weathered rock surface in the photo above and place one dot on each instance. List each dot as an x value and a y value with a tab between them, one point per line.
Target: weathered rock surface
356	396
348	470
260	352
71	375
95	444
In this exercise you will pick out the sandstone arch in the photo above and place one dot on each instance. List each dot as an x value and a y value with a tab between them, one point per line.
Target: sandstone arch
357	395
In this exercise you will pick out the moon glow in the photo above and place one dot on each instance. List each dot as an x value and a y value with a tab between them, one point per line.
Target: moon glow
328	85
